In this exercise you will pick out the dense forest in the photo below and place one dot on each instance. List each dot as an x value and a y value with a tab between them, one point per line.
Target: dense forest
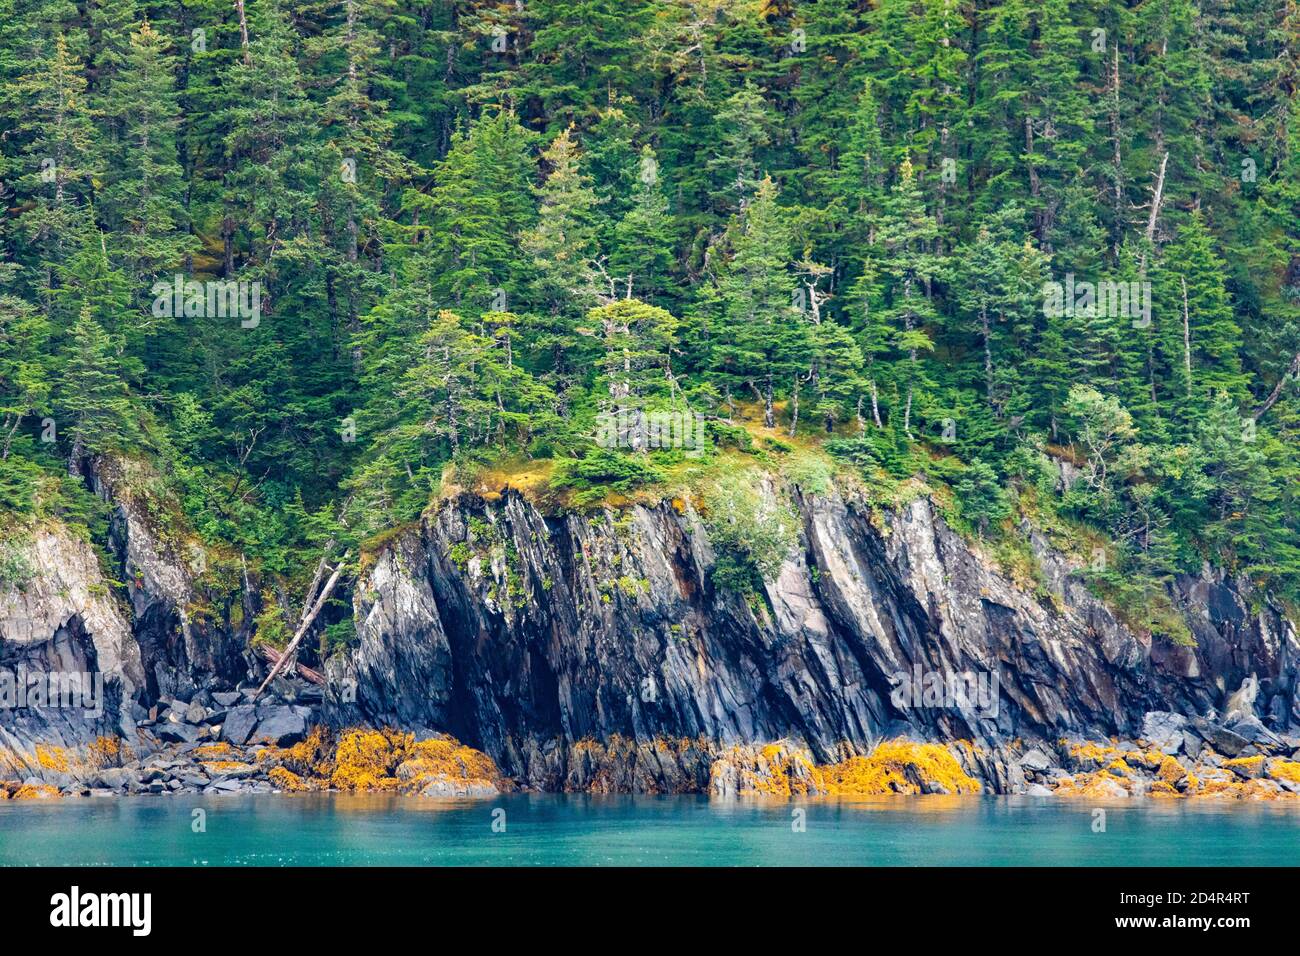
309	264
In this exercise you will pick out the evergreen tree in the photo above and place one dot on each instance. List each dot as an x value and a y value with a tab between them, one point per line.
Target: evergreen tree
642	245
907	234
144	190
1200	340
765	348
91	399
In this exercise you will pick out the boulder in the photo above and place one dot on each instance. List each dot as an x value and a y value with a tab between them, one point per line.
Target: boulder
110	778
177	733
448	787
282	726
1253	730
239	724
223	786
1226	742
1035	761
1164	730
1248	770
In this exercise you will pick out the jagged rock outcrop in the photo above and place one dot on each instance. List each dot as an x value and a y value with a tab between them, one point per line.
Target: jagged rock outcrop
69	666
127	636
594	652
181	652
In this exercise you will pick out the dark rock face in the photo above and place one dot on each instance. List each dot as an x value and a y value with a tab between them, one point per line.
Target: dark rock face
68	665
593	652
586	652
179	655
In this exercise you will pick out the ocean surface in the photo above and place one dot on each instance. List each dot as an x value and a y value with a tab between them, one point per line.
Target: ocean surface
565	830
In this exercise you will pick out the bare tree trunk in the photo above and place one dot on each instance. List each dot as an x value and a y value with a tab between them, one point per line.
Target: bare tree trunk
1117	170
243	32
1156	198
794	406
1292	371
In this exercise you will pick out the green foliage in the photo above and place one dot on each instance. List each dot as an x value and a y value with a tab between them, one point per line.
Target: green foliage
480	230
982	497
603	469
752	531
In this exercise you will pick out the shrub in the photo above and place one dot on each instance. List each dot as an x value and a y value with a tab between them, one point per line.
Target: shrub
752	532
604	469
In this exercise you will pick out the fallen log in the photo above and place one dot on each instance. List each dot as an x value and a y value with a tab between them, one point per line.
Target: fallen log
304	626
309	674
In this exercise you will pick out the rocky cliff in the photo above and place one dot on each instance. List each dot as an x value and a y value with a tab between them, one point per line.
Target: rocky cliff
594	652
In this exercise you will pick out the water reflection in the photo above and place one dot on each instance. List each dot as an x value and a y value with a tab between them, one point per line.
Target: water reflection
581	829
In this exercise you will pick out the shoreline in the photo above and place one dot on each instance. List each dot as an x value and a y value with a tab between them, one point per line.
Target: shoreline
362	760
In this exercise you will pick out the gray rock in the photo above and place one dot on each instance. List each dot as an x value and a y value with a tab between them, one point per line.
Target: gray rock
239	724
282	726
1035	761
1249	771
226	698
1164	730
1226	741
1253	729
237	771
458	788
111	778
177	733
195	713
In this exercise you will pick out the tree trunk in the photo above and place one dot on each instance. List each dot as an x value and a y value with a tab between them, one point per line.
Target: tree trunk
1156	198
243	32
1187	339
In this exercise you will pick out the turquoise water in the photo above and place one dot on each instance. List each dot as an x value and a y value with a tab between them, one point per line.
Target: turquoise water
542	830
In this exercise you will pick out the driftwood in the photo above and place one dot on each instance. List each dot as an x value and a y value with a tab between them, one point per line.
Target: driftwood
307	619
273	657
